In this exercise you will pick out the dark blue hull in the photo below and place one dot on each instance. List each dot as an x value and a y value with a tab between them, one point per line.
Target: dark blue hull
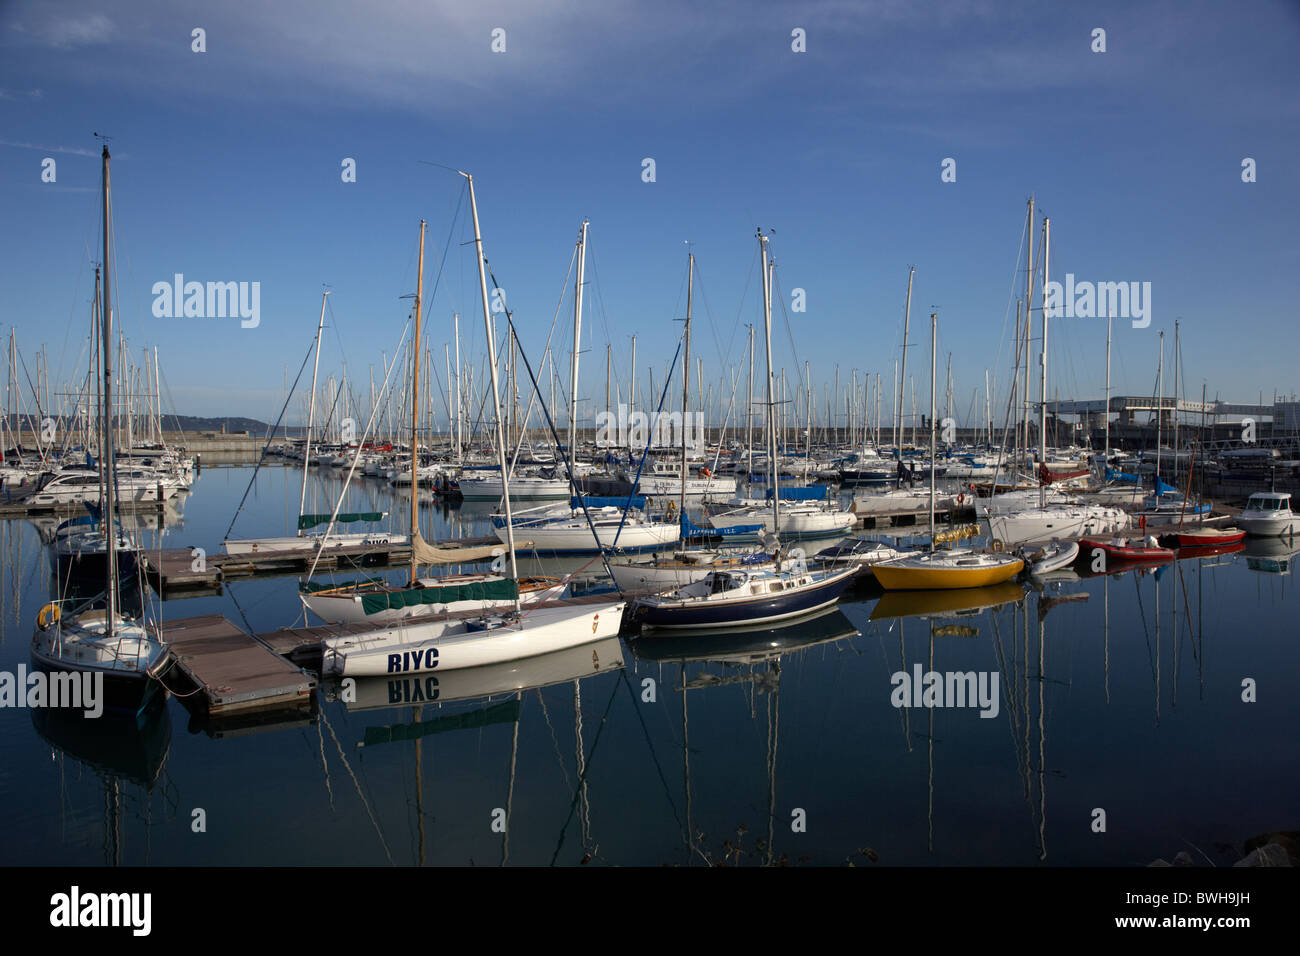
739	613
93	564
124	695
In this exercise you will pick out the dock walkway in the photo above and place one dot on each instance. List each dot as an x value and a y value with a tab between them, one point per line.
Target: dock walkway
231	671
184	568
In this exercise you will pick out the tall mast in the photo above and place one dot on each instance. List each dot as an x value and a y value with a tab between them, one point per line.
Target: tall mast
749	410
1029	310
631	398
577	333
988	406
1176	363
608	360
934	327
496	398
1105	451
807	435
948	405
771	406
157	392
107	459
902	378
415	411
311	408
686	379
1160	400
460	414
1042	415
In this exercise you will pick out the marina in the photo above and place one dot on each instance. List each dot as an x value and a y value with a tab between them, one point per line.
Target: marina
623	437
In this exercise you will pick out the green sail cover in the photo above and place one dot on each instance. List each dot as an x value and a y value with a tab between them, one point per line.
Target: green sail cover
504	713
311	521
505	589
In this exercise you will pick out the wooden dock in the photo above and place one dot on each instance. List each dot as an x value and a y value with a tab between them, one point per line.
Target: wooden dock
11	506
178	569
229	672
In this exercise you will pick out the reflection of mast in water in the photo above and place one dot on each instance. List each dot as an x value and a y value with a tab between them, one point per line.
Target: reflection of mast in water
584	802
686	766
930	812
112	823
117	750
759	652
1020	712
510	787
419	788
1042	740
773	726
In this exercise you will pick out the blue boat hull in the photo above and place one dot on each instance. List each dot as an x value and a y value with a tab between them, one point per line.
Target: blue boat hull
758	610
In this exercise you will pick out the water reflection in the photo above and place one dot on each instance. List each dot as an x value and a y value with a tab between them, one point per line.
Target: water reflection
750	659
122	752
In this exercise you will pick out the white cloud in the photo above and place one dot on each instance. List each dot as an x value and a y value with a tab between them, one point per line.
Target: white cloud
63	31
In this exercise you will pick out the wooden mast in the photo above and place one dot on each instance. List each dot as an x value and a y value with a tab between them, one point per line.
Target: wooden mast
415	412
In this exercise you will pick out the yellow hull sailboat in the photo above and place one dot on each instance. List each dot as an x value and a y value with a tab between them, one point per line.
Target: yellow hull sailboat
943	570
937	570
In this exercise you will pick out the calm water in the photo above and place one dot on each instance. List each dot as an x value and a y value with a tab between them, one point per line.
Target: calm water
1125	696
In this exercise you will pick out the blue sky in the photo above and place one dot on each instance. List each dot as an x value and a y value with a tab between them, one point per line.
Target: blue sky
227	168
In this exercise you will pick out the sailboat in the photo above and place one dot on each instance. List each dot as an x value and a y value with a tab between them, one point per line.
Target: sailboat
121	652
791	513
382	601
454	641
1062	518
305	541
940	570
593	525
686	566
744	596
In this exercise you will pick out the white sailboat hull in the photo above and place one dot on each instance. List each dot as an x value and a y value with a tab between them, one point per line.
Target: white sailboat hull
521	489
576	536
309	543
1026	527
794	521
453	644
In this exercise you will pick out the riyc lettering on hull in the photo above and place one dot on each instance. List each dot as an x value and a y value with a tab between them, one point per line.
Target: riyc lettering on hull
413	660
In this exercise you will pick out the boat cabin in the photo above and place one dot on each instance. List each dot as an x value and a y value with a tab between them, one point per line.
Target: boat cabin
1269	501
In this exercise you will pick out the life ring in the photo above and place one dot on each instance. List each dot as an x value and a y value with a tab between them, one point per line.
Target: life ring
961	498
998	546
48	616
705	473
1142	522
